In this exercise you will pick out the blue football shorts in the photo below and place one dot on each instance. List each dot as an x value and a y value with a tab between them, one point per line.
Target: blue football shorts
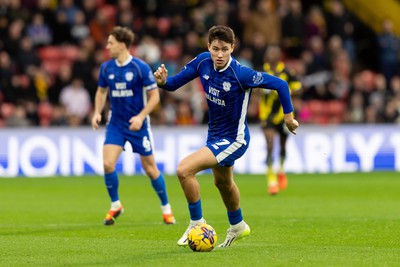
227	151
141	141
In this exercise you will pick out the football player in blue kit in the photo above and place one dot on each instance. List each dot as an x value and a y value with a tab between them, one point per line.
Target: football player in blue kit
227	86
129	82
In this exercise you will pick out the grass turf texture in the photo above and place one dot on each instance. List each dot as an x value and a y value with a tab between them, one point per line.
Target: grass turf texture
319	220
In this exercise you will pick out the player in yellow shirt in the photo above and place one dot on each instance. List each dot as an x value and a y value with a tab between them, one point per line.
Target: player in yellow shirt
271	117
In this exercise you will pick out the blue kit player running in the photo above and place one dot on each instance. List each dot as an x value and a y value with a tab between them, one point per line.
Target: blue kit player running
133	94
227	86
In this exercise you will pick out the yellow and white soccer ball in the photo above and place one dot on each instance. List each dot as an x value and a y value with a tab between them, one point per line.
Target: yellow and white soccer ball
202	238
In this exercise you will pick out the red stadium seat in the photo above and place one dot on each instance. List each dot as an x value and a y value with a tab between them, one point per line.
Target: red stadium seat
336	111
50	53
317	109
110	11
316	106
70	52
52	67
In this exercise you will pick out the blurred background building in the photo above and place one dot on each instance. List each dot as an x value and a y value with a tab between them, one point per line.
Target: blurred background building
346	54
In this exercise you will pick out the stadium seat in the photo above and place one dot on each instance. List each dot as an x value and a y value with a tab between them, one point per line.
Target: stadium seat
50	53
318	112
53	66
70	52
110	11
336	111
316	106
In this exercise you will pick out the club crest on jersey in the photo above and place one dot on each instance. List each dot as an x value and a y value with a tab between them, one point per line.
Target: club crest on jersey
111	77
206	77
129	76
226	86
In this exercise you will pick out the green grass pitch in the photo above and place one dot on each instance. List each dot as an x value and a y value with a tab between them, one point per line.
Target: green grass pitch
319	220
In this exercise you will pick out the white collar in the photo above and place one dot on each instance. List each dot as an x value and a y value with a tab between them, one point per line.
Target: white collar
125	63
227	65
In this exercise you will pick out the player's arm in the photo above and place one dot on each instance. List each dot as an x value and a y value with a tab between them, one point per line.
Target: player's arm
282	88
153	98
255	79
188	73
174	82
283	91
99	102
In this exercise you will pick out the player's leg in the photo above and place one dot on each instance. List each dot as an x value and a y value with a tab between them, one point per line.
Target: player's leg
110	157
282	179
186	171
272	179
157	181
223	179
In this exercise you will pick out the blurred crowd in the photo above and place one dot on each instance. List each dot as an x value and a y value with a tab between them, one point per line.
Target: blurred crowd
50	53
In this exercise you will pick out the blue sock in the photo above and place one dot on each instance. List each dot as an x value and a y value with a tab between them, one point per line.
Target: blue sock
196	213
159	186
112	183
235	217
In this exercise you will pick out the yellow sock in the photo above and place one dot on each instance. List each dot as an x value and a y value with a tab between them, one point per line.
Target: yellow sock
271	176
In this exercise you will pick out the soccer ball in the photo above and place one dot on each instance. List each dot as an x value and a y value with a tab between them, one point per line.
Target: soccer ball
202	238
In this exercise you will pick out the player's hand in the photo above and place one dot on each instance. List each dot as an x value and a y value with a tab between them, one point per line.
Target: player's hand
161	75
136	123
291	123
96	119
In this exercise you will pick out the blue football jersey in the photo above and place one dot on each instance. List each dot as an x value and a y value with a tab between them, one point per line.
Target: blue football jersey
228	93
128	85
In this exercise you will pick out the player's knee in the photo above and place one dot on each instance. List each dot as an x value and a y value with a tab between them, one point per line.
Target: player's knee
108	166
222	185
182	172
151	171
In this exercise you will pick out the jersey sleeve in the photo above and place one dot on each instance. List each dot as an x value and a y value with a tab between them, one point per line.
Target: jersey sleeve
188	73
149	82
102	77
254	79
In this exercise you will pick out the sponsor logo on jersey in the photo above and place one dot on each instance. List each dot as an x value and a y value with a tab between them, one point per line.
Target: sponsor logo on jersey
120	86
219	102
121	93
226	86
213	91
129	76
111	77
258	78
121	90
206	77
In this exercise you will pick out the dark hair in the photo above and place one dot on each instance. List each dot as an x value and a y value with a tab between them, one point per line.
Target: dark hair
123	35
222	33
